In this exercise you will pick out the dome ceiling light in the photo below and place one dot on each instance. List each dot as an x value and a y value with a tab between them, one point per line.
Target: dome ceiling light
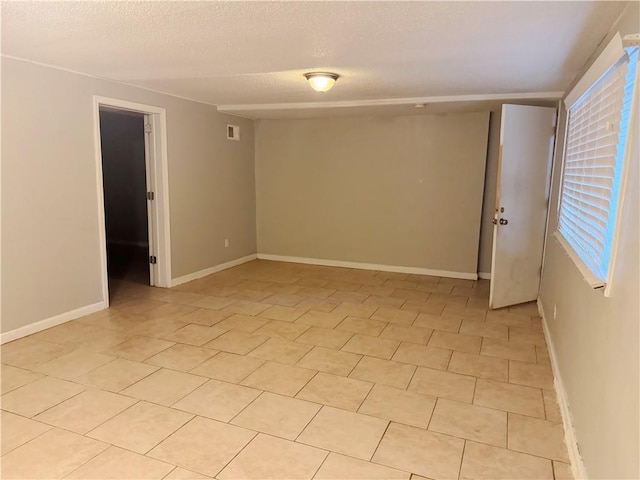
321	81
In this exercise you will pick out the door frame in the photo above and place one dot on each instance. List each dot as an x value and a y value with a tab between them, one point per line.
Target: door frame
160	237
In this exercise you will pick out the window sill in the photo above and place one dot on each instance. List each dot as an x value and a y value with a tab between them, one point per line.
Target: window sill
589	277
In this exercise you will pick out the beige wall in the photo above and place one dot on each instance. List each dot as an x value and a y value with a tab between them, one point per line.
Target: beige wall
596	338
401	191
50	245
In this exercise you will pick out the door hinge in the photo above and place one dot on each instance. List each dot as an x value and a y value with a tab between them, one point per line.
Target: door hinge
153	260
151	196
147	128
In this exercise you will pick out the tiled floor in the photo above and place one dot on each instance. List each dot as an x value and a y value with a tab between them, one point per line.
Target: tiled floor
276	370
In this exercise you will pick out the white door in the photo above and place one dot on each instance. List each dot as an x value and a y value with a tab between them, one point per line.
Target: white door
526	148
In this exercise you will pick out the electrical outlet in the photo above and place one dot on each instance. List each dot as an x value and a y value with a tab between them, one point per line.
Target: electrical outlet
226	242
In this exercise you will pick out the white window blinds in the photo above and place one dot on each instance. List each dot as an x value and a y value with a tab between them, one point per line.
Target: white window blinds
593	164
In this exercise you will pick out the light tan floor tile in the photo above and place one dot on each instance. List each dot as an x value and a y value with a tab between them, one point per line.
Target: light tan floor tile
205	316
103	339
320	319
537	437
410	294
338	466
237	342
385	372
504	317
285	300
317	304
387	302
116	375
344	432
116	463
462	420
282	351
324	337
156	328
529	335
443	384
406	333
73	364
139	349
17	430
228	367
376	290
329	361
277	415
420	355
394	315
283	330
244	307
213	303
399	406
279	378
438	322
268	457
86	410
218	400
340	392
551	407
164	386
509	397
479	366
285	314
140	427
423	307
182	474
40	395
203	446
447	298
53	454
531	374
349	297
359	310
484	462
510	350
14	377
542	356
249	295
176	296
456	341
562	471
415	450
371	346
362	325
465	312
196	335
66	333
242	323
317	292
181	357
169	310
481	328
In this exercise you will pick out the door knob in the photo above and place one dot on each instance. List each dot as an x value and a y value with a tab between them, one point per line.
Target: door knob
503	221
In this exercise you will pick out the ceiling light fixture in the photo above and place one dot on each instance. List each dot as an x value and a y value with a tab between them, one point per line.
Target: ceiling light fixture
321	81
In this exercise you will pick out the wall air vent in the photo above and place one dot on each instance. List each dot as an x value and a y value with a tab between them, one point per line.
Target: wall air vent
233	132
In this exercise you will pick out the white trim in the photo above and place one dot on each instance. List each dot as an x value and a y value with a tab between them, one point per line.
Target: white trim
369	266
613	52
234	108
162	234
484	275
570	437
208	271
50	322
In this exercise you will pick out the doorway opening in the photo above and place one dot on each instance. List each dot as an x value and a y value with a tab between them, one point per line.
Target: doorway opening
132	195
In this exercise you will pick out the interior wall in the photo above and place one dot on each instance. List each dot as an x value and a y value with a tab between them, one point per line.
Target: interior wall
596	339
399	191
489	198
124	174
50	241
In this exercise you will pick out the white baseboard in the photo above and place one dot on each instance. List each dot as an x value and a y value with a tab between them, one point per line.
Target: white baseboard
208	271
570	438
484	275
51	322
369	266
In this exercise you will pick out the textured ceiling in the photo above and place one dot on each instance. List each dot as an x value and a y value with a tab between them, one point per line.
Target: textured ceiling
238	53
